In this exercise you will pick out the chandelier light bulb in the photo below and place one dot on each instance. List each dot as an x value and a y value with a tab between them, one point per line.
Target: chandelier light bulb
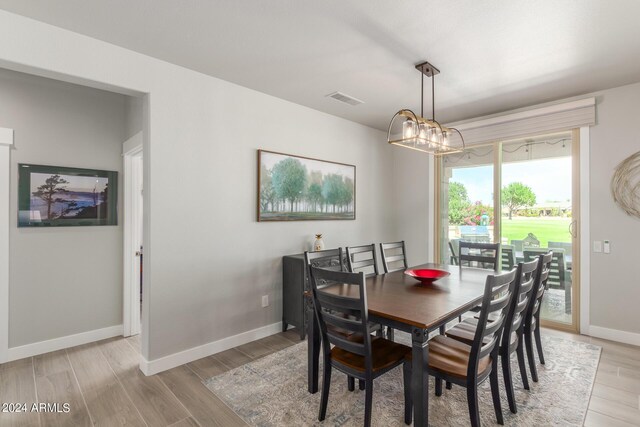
445	138
423	133
408	129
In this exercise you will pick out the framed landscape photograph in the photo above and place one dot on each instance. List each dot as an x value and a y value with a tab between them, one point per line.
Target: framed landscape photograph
53	196
294	188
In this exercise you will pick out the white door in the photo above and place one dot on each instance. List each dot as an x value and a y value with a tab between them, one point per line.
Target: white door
133	228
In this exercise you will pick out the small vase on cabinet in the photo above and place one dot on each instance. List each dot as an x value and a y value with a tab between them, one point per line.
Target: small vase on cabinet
318	245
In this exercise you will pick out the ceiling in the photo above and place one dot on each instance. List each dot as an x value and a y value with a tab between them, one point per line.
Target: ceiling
494	55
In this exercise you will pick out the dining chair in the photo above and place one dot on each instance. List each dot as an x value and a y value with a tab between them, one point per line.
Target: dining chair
508	257
359	355
469	365
362	258
511	341
329	259
532	317
484	254
394	256
333	260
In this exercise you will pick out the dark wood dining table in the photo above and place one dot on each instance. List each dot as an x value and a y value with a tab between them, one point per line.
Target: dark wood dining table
401	302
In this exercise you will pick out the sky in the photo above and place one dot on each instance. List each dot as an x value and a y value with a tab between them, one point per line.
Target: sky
550	179
76	183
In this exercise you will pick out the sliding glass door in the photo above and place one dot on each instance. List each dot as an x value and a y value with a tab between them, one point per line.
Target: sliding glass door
522	194
466	195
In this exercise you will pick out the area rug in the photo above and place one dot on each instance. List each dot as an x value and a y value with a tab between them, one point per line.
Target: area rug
272	391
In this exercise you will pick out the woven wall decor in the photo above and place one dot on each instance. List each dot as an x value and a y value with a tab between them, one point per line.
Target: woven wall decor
625	185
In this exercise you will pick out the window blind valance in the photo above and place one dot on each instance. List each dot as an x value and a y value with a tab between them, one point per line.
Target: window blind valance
536	121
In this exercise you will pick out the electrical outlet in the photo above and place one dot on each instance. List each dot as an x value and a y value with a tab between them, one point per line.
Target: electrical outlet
607	247
265	300
597	246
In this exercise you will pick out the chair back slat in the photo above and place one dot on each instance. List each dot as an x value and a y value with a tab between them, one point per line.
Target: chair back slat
335	302
394	256
339	313
341	341
486	255
343	323
499	290
362	258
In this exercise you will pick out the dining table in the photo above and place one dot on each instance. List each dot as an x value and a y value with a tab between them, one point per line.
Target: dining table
401	302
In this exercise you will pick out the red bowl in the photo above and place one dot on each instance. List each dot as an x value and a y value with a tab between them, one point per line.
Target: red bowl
427	275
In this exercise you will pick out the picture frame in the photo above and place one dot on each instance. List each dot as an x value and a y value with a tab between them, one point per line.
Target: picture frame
298	188
57	196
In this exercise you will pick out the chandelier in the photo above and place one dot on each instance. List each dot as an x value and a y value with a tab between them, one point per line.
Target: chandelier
409	130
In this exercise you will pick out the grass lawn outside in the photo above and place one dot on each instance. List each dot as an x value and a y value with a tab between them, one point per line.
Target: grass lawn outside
555	229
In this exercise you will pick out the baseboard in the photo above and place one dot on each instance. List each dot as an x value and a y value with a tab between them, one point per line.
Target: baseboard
42	347
152	367
615	335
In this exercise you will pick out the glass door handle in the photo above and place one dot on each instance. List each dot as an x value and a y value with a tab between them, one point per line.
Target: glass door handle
572	229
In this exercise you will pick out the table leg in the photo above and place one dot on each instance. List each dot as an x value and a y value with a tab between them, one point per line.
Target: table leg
313	350
420	377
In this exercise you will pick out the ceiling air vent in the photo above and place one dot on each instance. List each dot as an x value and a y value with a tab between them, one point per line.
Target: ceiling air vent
343	97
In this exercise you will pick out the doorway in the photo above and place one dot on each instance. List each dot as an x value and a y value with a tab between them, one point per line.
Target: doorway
133	234
523	194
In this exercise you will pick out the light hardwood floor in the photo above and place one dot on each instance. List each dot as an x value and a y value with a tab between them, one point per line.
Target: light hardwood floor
102	383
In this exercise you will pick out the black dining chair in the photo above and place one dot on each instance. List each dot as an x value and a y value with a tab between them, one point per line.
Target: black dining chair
484	255
362	258
511	341
394	256
334	260
359	355
468	366
532	317
329	259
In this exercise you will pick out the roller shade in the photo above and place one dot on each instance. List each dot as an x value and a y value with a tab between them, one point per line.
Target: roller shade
536	121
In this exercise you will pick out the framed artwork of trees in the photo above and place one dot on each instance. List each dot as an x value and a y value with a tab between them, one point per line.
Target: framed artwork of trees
295	188
50	196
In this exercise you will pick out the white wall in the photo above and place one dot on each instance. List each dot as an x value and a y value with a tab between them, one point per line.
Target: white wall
615	283
210	260
207	260
63	280
411	179
134	115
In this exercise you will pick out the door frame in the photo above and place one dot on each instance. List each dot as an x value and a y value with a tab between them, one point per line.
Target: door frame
580	213
6	145
132	157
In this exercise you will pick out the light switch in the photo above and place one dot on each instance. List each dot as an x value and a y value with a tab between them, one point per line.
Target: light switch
597	246
607	247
